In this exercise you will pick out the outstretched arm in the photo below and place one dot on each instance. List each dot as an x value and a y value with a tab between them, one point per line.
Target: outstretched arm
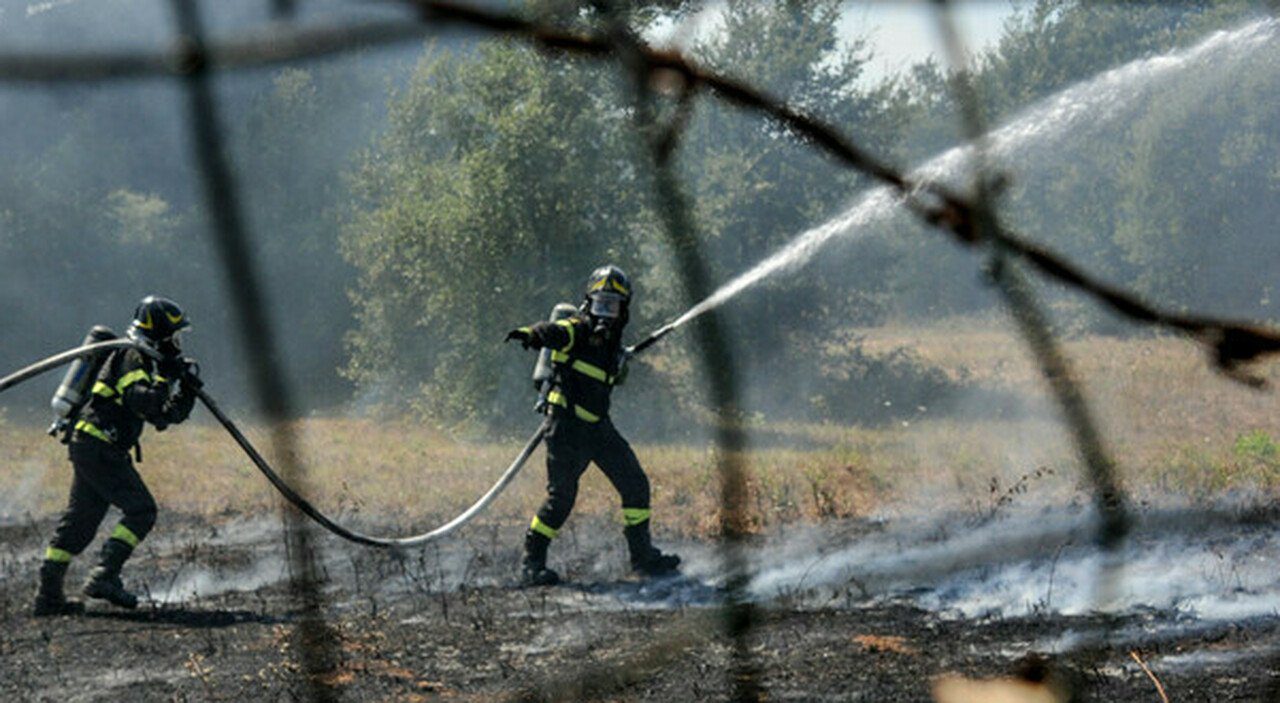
558	335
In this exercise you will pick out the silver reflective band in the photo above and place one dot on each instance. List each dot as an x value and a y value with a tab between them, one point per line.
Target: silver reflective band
606	304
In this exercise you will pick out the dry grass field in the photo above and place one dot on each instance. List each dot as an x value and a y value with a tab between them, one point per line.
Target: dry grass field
1174	425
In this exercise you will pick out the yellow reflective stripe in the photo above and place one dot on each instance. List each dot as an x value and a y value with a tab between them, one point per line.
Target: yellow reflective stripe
635	516
92	430
55	554
543	528
613	283
568	325
102	389
591	370
583	367
557	398
131	378
125	535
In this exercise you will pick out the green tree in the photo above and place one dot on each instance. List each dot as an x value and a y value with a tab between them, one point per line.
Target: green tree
756	187
500	183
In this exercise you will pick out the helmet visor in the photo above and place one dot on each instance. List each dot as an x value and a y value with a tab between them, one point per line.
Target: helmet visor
606	305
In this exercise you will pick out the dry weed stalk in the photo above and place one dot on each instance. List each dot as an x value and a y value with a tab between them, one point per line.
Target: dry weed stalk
1146	669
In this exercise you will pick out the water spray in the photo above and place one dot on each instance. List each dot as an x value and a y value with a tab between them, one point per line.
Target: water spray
1093	101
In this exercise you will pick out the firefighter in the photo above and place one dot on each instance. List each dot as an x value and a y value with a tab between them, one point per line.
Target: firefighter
588	361
131	389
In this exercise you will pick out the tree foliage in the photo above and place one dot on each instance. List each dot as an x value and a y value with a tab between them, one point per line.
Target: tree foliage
1168	196
505	177
500	183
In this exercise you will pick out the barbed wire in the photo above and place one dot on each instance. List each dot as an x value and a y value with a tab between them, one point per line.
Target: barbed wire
279	45
971	220
1229	343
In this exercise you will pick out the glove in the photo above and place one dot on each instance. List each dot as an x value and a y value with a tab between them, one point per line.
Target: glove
524	335
171	367
191	374
623	369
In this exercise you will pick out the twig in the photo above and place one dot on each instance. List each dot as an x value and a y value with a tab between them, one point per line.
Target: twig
1159	687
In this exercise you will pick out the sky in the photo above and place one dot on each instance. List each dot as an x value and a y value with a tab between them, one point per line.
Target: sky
900	32
904	32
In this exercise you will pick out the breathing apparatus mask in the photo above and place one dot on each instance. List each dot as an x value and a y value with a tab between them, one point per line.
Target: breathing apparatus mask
607	298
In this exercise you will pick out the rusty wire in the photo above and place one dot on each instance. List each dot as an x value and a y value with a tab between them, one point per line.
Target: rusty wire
1230	344
257	337
712	345
970	220
255	50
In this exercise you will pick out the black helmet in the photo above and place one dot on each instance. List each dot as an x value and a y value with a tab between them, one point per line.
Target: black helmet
157	319
608	295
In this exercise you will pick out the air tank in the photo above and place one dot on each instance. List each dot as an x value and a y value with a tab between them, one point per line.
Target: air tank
77	384
543	371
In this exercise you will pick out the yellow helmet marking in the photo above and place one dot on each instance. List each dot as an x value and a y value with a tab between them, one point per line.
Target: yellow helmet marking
174	319
146	325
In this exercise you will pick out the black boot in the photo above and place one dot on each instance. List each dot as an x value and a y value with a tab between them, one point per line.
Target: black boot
534	571
50	599
104	581
645	558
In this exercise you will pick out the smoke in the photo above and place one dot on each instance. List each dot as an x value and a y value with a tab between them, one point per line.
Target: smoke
101	204
1210	566
206	582
19	496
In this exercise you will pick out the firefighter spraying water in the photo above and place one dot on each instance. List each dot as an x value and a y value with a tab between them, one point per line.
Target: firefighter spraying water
586	361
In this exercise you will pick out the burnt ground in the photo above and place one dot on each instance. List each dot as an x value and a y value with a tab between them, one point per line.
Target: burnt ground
448	622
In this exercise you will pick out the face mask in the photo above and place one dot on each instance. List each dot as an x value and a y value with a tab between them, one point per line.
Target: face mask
171	347
605	305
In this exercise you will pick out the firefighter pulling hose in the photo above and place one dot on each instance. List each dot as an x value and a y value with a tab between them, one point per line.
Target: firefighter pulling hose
100	410
97	352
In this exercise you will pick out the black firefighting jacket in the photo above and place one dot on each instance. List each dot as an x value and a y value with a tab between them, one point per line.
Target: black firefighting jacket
128	392
587	366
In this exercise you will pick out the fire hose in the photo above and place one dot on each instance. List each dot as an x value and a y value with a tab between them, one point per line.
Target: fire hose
285	490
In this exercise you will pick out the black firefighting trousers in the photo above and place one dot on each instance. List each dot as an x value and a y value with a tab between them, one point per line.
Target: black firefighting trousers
104	476
571	445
